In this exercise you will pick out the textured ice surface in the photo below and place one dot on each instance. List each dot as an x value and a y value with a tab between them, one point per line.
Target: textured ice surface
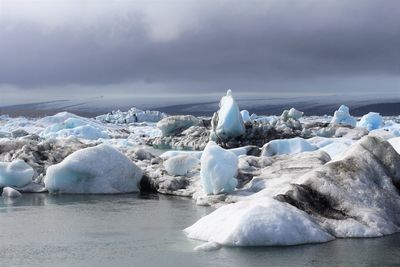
343	117
95	170
261	222
176	124
218	169
286	146
15	174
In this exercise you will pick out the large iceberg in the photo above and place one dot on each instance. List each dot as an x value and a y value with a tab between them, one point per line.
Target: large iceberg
15	174
228	121
218	169
95	170
371	121
286	147
261	222
343	117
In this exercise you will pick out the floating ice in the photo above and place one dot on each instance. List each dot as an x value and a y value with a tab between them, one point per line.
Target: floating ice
286	146
15	174
261	222
180	165
74	126
10	192
218	169
131	116
343	117
371	121
230	122
95	170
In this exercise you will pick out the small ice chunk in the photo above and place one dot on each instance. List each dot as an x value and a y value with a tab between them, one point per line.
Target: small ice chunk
218	169
95	170
16	173
180	165
343	117
286	146
10	192
371	121
209	246
245	116
260	222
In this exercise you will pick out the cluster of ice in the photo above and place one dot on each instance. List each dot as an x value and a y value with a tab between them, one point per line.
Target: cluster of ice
371	121
77	127
286	146
261	222
176	124
305	197
228	121
180	164
95	170
131	116
343	117
15	174
218	169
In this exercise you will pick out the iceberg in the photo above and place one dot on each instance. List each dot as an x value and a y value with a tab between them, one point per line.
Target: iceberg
15	174
261	222
343	117
180	165
295	114
10	192
75	126
95	170
218	169
131	116
228	121
173	125
371	121
286	146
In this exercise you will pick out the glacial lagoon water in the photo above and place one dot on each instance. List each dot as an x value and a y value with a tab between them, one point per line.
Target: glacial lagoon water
146	230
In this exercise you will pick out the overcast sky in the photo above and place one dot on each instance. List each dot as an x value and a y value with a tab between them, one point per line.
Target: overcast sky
63	49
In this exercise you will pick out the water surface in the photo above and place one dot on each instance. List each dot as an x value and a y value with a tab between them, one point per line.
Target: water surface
146	230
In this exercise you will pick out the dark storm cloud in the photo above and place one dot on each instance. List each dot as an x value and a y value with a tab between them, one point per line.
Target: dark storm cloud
256	42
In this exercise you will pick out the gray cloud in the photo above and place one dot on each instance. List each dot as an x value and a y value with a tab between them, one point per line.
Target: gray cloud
187	46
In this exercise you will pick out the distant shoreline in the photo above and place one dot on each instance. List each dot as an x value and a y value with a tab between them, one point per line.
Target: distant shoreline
205	108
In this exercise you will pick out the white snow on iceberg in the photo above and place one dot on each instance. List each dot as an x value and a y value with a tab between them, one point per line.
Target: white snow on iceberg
261	222
94	170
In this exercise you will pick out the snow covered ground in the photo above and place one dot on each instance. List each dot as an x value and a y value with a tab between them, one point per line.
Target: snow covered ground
275	180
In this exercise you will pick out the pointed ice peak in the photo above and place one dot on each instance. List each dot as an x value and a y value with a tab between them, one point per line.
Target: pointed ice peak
229	92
